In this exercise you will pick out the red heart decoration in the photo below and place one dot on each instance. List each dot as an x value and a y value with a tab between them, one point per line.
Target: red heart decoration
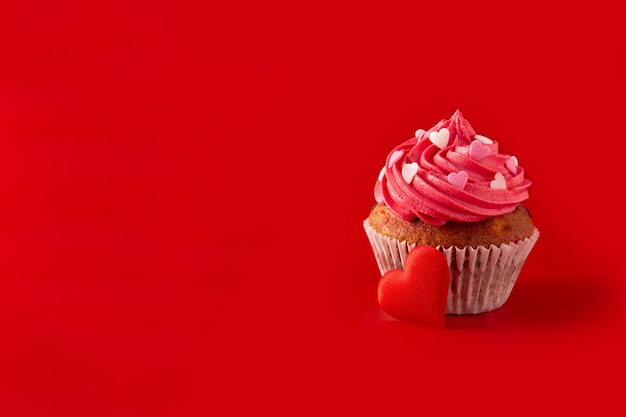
419	292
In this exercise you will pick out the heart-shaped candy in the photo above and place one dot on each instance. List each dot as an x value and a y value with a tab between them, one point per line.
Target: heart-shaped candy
419	292
498	183
382	173
478	151
458	179
395	155
440	139
483	139
511	165
409	171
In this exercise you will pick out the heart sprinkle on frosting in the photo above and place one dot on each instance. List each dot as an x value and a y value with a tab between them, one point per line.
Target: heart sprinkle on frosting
478	151
483	139
499	182
381	174
435	196
440	139
393	158
511	164
458	179
409	171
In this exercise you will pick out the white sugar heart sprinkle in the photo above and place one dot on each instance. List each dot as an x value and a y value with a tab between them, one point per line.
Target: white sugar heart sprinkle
419	133
483	139
394	157
409	171
440	139
499	183
511	164
381	174
458	179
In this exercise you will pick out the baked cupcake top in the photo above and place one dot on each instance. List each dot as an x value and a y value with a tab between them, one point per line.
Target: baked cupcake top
450	173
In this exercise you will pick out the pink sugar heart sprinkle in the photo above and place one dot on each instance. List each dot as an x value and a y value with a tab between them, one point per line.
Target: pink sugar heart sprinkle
478	151
511	165
394	157
458	179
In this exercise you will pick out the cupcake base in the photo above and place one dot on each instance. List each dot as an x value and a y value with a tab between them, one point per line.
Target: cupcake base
481	279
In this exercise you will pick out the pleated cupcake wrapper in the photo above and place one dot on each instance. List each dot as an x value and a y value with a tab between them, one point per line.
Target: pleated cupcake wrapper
481	279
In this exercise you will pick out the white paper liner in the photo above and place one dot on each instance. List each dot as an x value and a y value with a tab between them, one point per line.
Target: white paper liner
481	279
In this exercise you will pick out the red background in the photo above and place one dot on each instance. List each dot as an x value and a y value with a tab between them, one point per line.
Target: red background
183	188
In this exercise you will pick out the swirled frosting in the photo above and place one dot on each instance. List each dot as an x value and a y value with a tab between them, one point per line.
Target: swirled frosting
449	173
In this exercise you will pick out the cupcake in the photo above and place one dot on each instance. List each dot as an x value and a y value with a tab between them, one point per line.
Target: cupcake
453	189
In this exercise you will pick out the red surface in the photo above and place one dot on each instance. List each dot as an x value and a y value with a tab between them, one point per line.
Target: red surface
183	187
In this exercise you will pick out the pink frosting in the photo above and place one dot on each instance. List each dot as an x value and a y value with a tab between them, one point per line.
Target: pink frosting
462	181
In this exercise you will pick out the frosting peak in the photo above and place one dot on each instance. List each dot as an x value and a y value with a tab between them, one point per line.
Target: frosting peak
450	173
